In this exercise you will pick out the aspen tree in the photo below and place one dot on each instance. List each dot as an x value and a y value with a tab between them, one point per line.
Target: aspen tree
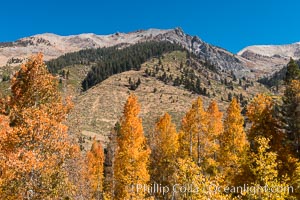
264	167
214	130
37	147
261	114
193	134
233	143
164	148
95	159
132	155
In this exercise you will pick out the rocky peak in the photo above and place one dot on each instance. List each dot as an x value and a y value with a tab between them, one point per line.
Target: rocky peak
270	58
54	45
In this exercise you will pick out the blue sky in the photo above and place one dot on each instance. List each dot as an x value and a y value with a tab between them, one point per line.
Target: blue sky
231	24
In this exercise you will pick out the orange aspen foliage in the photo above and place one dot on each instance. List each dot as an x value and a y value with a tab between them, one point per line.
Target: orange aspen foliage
4	133
261	113
95	158
34	87
132	154
199	135
214	130
37	147
291	114
164	147
233	142
193	140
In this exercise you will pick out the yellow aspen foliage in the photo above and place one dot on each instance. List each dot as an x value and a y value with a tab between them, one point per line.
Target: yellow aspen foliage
193	138
261	114
37	146
95	159
233	142
164	148
132	155
214	130
189	174
264	167
192	184
296	181
291	114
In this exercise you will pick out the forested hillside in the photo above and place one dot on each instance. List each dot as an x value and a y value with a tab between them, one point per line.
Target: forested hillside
211	155
109	61
165	84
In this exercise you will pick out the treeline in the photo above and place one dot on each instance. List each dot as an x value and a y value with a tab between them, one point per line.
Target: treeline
126	59
211	156
109	61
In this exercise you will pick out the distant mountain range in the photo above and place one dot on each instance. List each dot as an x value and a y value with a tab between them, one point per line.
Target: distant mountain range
165	77
271	57
254	61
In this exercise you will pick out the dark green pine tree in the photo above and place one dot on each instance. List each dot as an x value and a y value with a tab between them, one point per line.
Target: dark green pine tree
293	71
290	107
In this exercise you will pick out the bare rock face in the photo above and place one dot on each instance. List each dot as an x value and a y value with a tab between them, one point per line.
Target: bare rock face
221	58
270	58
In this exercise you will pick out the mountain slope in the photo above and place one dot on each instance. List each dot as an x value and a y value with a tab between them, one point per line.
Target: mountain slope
287	51
54	46
253	61
270	58
100	107
168	83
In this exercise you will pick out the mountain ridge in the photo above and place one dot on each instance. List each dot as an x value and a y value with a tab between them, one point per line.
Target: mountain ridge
270	50
271	58
53	46
253	61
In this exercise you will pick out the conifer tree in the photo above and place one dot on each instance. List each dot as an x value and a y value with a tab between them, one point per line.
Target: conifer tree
95	159
132	155
164	147
291	114
293	71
